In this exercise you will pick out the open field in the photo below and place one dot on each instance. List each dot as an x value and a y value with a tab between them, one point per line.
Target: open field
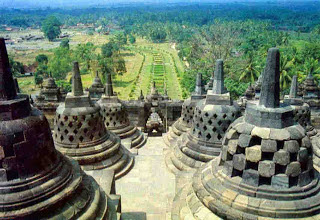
145	62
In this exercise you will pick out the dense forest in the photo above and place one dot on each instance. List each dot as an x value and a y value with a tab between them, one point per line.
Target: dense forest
239	33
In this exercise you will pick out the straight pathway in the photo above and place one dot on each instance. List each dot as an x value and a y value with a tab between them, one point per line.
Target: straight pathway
148	189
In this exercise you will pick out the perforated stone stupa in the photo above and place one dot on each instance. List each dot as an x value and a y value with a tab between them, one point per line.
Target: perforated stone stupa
38	182
96	90
302	113
265	168
116	118
184	123
311	92
49	99
212	117
79	132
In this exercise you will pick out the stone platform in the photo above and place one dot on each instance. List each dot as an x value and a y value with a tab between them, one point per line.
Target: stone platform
147	191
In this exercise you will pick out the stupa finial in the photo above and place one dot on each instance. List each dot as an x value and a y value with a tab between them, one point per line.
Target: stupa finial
77	89
7	85
109	86
218	83
270	88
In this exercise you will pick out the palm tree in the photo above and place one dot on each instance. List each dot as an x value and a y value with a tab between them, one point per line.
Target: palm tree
250	72
311	66
286	67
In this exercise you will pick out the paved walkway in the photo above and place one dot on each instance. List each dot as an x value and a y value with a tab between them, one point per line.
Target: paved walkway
148	189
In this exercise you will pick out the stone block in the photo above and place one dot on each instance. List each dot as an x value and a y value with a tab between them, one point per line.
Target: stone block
232	146
232	134
303	154
293	169
295	134
266	168
239	161
304	178
280	181
254	153
306	142
279	134
269	146
224	152
244	140
251	177
228	168
261	132
281	157
291	146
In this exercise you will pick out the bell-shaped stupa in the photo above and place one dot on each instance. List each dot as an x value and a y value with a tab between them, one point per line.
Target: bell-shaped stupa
212	117
265	167
49	99
184	123
36	181
302	112
116	118
96	90
79	132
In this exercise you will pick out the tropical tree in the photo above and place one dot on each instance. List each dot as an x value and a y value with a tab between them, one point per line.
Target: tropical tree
251	71
286	69
42	58
51	28
311	66
65	43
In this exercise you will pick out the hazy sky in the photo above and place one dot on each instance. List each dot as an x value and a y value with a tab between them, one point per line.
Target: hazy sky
81	3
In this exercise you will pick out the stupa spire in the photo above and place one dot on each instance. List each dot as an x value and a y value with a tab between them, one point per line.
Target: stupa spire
7	89
270	88
218	82
199	88
294	87
77	89
109	86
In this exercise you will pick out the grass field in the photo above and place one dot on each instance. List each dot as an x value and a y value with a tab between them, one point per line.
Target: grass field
145	62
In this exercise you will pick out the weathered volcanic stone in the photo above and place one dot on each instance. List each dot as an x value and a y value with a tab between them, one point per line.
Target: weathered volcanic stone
272	184
270	89
291	146
79	132
211	119
116	120
184	123
239	161
268	145
293	169
96	90
281	157
49	99
254	153
37	182
267	168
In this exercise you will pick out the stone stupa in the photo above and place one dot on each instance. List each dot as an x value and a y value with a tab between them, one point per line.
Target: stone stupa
49	99
311	92
212	117
265	169
38	182
79	132
116	118
184	123
302	113
96	90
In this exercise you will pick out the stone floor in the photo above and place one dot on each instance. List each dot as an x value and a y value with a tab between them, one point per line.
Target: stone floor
148	189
